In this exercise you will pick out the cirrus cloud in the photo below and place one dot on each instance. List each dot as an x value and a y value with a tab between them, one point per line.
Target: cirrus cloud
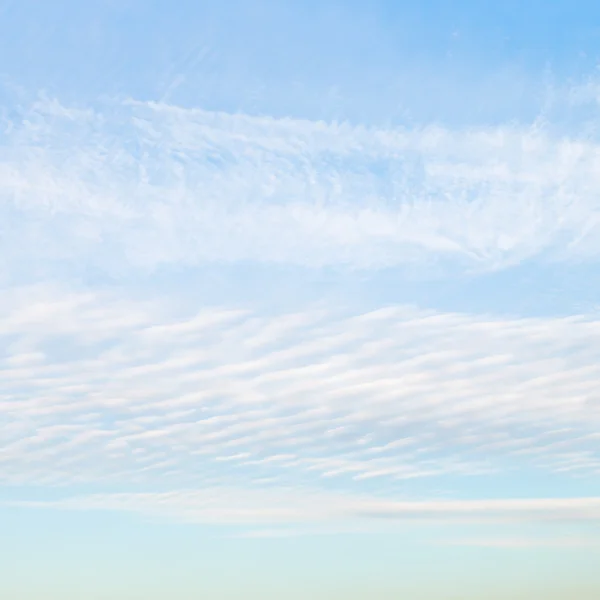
140	185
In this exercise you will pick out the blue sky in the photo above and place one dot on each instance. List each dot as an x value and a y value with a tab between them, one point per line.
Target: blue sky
299	300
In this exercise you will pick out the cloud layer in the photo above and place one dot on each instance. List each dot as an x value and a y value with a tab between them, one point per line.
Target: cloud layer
99	389
289	416
140	185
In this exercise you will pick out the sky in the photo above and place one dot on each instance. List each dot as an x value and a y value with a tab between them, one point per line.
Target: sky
299	300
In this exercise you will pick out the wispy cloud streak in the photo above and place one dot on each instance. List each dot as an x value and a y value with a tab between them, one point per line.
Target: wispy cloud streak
230	505
142	184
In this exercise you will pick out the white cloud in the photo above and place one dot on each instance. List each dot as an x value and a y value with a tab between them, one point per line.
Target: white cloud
513	543
141	185
101	388
288	506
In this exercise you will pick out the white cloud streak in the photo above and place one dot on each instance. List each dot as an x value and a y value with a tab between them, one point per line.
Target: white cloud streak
230	505
140	185
514	543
